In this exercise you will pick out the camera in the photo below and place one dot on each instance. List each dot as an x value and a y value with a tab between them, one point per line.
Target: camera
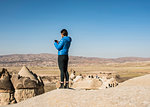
55	40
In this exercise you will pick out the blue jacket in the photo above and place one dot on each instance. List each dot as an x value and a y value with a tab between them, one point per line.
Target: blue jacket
63	45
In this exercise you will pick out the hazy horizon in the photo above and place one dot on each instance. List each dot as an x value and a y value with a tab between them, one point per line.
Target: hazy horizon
99	28
75	55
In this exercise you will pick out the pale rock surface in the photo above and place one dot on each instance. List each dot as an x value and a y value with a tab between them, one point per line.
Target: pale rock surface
4	98
72	75
7	98
77	78
23	94
108	83
25	72
132	93
87	84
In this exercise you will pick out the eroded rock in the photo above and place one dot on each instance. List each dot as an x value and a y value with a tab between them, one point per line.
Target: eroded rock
6	88
27	84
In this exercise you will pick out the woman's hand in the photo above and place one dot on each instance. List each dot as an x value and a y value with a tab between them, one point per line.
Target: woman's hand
56	41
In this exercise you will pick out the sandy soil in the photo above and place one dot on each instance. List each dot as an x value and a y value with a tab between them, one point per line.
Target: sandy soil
132	93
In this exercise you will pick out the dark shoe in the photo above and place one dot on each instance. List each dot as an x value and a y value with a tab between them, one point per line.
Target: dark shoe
61	86
66	86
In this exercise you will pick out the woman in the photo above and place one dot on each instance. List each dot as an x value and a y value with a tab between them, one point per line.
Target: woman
63	47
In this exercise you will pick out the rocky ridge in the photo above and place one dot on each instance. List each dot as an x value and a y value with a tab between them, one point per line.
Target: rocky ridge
51	60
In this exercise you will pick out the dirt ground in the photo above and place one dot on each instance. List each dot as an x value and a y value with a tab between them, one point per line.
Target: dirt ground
125	70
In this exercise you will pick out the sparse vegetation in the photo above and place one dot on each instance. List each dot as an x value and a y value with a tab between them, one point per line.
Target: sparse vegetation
125	70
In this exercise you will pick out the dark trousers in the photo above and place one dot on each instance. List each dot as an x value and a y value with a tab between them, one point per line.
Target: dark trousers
63	66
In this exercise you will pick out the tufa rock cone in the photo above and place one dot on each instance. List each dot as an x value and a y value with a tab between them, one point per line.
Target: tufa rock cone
6	88
5	82
25	72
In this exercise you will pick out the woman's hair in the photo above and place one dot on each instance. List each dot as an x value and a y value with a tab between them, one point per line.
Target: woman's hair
64	32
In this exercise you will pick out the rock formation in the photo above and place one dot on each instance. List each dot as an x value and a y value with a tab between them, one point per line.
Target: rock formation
81	82
6	88
27	84
132	93
72	75
101	81
78	78
87	83
108	83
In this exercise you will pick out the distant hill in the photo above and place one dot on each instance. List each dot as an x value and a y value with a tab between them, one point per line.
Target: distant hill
51	60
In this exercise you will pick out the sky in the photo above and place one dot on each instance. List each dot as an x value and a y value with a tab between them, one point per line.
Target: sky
98	28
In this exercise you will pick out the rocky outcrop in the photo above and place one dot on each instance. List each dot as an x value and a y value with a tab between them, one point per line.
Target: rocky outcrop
132	93
27	84
18	87
6	88
108	83
90	82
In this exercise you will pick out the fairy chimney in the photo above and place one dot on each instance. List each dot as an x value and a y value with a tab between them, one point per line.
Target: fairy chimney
6	88
27	84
